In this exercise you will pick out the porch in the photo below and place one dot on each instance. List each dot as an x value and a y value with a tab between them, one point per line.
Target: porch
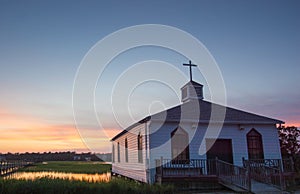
272	173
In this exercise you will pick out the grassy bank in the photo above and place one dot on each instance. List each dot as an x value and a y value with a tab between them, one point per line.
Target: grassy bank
61	186
58	186
66	166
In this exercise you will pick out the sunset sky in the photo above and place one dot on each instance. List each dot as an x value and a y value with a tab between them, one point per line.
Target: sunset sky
42	43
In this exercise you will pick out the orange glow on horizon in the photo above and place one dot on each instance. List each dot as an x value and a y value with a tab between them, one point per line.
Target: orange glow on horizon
20	133
290	124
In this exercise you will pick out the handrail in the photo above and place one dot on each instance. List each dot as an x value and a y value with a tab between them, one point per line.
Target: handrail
269	171
275	163
191	167
232	174
286	164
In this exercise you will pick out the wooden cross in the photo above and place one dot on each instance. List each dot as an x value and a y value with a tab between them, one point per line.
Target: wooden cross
191	65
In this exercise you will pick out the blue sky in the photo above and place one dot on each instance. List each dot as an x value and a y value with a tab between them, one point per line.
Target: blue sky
255	43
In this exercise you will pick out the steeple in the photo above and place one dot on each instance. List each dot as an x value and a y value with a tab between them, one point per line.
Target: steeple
192	90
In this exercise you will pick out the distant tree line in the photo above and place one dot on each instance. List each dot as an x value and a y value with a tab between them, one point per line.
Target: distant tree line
56	156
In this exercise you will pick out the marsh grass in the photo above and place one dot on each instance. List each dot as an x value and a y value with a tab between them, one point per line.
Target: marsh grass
69	166
62	186
59	186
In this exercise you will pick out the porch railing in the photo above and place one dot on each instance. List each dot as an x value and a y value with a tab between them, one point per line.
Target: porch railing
269	171
286	165
184	168
233	175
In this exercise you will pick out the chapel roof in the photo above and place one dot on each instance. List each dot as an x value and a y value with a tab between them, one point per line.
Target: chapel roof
188	111
200	111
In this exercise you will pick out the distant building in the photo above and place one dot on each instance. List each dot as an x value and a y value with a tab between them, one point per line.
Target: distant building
77	158
2	158
106	157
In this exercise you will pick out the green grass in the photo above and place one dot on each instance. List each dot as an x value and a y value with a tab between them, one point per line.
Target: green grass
59	186
72	167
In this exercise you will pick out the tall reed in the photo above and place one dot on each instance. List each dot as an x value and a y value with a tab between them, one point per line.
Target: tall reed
59	186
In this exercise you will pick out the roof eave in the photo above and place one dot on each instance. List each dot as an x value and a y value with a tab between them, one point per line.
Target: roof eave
218	122
130	127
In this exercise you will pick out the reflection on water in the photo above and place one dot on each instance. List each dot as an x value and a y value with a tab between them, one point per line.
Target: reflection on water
104	177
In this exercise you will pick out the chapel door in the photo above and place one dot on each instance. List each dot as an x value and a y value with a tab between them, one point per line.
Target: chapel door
221	148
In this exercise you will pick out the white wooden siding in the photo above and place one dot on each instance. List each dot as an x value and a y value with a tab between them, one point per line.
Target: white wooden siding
132	169
160	144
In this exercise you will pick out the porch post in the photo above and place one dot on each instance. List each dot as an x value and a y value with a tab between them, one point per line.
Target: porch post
247	165
282	182
161	166
217	167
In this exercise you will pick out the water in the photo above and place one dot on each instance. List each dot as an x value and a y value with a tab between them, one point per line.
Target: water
104	177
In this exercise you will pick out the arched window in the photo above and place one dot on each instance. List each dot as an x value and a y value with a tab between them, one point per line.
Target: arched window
140	148
126	150
254	142
180	146
118	152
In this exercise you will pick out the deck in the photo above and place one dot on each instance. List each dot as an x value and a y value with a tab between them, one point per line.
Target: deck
272	173
7	167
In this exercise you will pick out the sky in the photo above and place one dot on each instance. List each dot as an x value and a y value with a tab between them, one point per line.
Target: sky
256	45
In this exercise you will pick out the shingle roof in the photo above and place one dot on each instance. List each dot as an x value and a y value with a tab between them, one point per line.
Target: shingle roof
189	111
200	111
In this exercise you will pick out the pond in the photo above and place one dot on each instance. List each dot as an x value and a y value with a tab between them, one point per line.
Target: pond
104	177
